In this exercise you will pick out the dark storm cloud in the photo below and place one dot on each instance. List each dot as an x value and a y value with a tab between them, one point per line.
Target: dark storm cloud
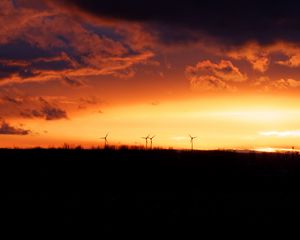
231	21
85	101
31	114
7	129
72	82
24	60
53	113
51	65
7	70
47	111
14	100
22	50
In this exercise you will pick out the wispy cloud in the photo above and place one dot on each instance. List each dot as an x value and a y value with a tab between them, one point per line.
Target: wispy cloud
207	75
259	56
43	44
289	133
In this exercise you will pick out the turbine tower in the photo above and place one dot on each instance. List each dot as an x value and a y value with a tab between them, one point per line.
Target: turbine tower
146	139
105	140
192	142
151	139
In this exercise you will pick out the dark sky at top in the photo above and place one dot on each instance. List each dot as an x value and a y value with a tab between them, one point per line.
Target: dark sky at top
231	21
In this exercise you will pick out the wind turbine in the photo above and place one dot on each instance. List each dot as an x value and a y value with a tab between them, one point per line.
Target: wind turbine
151	138
192	142
146	139
105	140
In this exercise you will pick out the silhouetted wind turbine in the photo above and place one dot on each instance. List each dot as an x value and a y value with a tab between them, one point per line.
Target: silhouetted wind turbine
151	138
192	142
146	139
105	140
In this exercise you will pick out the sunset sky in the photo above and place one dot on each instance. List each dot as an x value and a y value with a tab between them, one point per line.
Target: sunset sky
227	72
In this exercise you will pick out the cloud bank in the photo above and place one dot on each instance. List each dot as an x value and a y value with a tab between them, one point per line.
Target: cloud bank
207	75
7	129
40	42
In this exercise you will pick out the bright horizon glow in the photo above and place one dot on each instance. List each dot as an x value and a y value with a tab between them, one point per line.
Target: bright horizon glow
273	150
218	123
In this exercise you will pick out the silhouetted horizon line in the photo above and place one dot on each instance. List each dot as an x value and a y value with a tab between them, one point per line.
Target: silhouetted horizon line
142	148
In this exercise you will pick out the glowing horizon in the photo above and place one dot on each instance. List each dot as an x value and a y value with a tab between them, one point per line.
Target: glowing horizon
227	127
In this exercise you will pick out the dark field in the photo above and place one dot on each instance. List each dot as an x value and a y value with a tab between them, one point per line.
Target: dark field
136	190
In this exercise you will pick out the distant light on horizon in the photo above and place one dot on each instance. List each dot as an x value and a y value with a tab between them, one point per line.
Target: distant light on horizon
273	150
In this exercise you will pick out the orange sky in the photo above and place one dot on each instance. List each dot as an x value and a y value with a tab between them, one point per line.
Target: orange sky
67	76
217	121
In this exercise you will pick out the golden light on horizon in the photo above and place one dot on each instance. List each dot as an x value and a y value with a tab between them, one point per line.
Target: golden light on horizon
218	122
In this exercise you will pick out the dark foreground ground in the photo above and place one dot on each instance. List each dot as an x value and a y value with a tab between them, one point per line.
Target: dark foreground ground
147	191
